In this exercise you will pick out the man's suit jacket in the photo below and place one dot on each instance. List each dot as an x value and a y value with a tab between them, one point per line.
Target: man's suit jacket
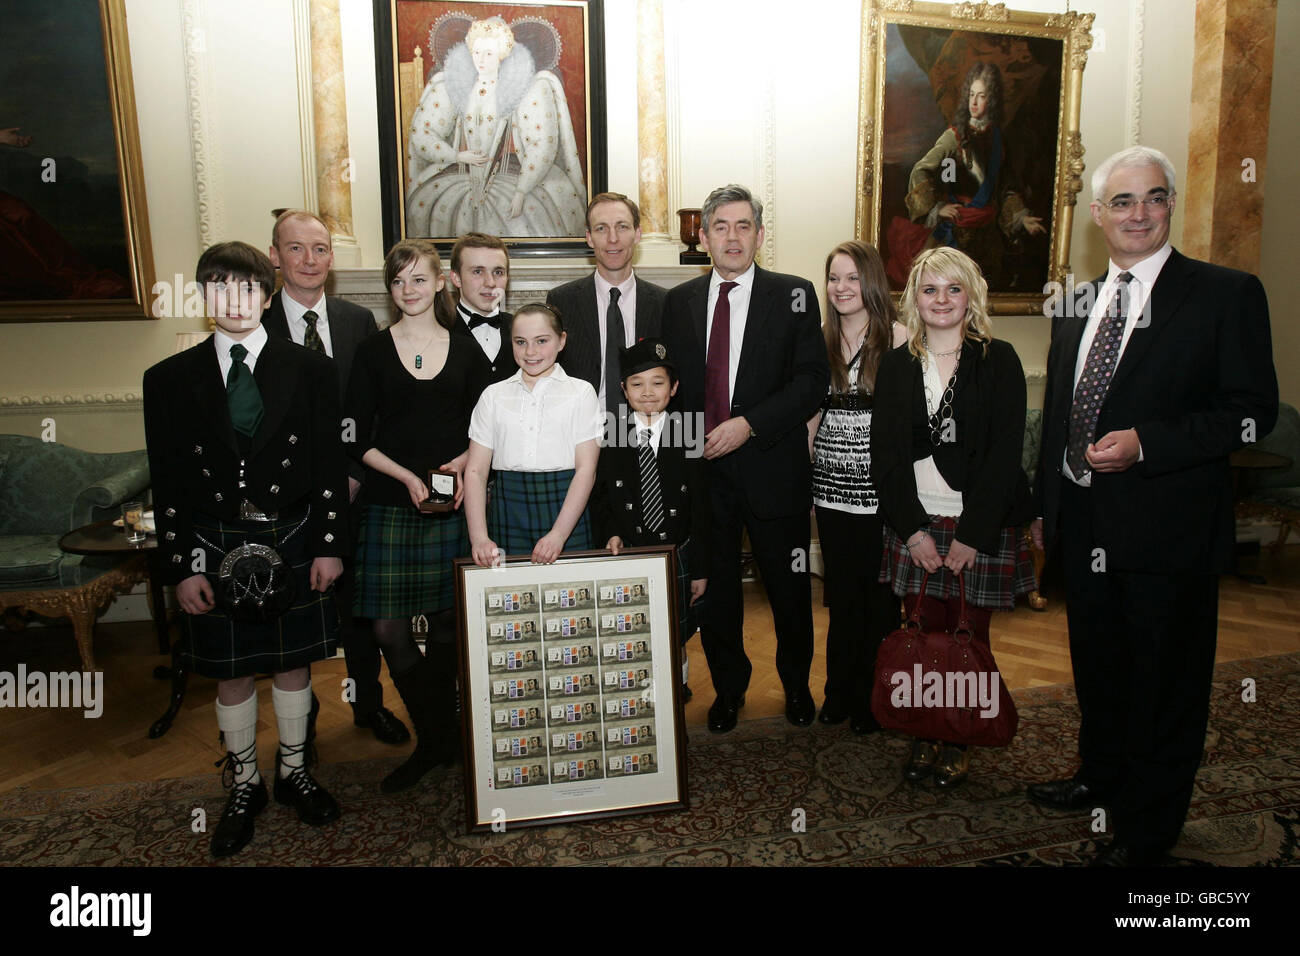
576	300
781	380
1195	382
349	323
495	370
616	502
195	459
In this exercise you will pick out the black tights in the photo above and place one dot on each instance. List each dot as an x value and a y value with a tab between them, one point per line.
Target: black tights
395	638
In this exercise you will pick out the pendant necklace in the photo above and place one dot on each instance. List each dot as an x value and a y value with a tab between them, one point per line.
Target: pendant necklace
419	358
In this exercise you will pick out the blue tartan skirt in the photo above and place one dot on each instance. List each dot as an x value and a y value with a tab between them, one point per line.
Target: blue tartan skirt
219	647
992	582
404	561
524	507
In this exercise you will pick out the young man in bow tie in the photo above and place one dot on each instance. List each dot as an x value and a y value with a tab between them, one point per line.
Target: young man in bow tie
480	270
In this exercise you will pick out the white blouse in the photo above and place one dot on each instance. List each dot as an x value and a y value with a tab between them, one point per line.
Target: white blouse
937	498
537	430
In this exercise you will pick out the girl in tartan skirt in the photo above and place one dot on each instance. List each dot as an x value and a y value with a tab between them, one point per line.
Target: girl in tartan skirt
946	449
409	397
539	433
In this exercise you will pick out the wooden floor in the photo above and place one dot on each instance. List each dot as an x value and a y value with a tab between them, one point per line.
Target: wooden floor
49	749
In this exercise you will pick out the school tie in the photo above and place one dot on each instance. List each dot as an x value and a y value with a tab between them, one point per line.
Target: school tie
717	366
613	342
652	499
242	395
1090	392
312	338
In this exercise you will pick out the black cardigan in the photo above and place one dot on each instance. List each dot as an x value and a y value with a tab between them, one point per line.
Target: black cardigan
983	462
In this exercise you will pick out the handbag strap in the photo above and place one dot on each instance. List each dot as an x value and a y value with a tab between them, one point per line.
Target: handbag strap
963	622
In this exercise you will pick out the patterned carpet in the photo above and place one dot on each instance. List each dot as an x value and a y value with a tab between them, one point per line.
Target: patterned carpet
745	787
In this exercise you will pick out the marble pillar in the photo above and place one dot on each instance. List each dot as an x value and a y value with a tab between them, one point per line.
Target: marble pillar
652	122
1223	196
334	172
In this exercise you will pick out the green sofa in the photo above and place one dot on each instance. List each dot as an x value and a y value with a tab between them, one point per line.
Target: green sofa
47	490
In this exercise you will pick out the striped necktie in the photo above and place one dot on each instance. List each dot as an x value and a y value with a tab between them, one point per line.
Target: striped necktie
652	499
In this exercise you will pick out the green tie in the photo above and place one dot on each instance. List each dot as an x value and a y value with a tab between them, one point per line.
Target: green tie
312	338
242	394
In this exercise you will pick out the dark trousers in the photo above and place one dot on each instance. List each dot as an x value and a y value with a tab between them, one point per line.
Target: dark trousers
862	610
1142	647
357	635
781	551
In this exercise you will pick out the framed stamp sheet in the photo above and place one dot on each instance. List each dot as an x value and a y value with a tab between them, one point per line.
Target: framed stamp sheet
968	136
571	678
491	119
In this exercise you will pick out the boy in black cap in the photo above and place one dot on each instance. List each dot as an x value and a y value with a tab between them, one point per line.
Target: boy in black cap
650	489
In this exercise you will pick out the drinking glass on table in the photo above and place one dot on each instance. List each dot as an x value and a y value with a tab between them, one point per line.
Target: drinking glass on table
133	521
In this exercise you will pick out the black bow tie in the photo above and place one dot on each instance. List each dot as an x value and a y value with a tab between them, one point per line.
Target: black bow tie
475	320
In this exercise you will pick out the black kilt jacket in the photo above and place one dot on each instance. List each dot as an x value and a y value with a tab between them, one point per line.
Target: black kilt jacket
616	498
197	465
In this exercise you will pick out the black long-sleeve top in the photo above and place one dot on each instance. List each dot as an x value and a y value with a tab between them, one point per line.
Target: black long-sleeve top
420	424
983	461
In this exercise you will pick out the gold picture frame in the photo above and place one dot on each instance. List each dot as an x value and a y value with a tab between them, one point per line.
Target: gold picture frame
113	272
918	61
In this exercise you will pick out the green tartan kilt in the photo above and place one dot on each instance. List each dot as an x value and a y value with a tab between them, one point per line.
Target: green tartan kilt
524	507
404	561
221	648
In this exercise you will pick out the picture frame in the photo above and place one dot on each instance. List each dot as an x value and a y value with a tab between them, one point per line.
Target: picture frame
563	671
1000	179
522	169
75	245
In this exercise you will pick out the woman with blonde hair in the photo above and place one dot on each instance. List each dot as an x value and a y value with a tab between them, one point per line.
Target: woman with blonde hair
950	411
861	326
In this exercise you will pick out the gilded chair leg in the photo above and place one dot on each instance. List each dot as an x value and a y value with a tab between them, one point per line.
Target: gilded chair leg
82	612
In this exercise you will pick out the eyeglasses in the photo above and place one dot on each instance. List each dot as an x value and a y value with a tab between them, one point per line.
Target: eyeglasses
1153	203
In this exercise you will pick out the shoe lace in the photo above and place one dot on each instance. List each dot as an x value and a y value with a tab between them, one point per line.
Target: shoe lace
298	777
232	764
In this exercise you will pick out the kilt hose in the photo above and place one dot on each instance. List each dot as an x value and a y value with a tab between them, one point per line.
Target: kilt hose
404	561
523	509
993	582
219	647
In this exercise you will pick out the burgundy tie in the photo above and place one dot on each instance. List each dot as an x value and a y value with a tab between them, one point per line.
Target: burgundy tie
717	367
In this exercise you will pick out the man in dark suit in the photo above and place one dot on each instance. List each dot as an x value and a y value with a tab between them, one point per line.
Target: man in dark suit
301	248
1157	371
244	452
749	349
611	298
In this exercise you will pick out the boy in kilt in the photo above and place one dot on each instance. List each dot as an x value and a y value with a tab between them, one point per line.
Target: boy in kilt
245	449
650	488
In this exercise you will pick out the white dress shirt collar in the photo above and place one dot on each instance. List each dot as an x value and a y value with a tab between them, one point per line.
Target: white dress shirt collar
254	341
745	280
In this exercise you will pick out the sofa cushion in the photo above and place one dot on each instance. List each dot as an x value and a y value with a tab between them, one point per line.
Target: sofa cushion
30	561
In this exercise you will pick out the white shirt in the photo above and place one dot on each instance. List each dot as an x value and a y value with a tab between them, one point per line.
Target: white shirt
627	306
293	315
1144	278
739	301
253	341
656	430
937	497
537	430
488	338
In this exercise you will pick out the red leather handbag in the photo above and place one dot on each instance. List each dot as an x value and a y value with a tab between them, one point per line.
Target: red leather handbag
940	684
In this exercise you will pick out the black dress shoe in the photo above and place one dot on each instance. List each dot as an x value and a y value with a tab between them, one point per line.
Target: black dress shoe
832	712
235	828
799	708
385	725
724	713
1068	794
1124	855
300	790
864	722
